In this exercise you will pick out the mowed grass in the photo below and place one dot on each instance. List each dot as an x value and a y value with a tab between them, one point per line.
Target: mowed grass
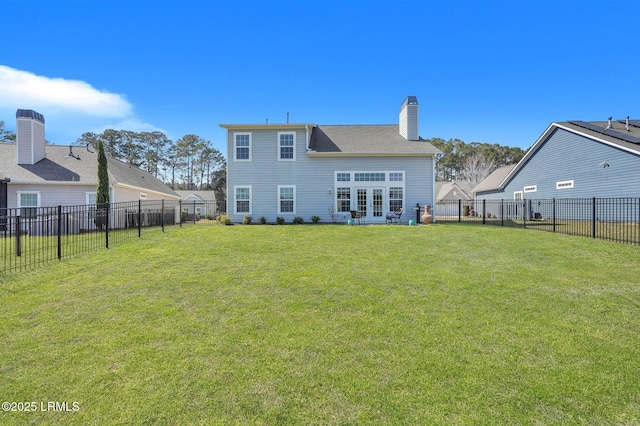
328	324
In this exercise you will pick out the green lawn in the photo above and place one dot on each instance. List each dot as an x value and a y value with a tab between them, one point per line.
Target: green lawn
328	324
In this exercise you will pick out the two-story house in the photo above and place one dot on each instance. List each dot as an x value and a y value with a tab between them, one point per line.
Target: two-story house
305	170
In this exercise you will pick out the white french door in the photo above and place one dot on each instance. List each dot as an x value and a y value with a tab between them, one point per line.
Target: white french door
370	203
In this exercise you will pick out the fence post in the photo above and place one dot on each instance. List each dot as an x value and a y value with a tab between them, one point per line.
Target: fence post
106	228
459	209
502	212
59	231
484	211
593	218
194	212
18	236
554	215
139	218
180	212
162	204
524	214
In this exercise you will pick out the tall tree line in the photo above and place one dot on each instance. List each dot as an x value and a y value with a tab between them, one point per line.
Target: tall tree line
188	163
470	163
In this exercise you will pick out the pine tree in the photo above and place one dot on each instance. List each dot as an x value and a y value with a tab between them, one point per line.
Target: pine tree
102	194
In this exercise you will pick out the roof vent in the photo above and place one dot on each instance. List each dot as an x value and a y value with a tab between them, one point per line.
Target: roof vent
609	124
626	124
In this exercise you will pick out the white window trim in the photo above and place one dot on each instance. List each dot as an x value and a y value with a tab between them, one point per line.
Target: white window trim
235	147
19	204
294	146
294	199
530	188
515	195
87	196
235	199
564	184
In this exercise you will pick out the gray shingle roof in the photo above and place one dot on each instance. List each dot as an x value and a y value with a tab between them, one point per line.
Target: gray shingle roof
492	182
366	140
59	166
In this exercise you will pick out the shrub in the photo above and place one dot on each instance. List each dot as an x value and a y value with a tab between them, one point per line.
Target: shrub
225	220
298	220
208	216
246	220
280	220
315	219
262	220
465	210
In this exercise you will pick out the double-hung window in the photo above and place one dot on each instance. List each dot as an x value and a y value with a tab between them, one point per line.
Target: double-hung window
242	199
286	146
242	146
395	198
28	202
343	195
286	199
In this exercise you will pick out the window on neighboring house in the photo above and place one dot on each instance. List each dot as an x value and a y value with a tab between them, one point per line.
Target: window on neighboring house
286	146
395	198
530	188
90	198
286	199
517	195
28	202
565	184
344	199
242	146
243	199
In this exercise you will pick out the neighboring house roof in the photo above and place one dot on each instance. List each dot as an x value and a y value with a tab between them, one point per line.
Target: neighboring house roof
365	140
450	191
60	166
614	133
200	195
492	182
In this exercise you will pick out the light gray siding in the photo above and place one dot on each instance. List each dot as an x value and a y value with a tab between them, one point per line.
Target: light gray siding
313	177
51	195
566	156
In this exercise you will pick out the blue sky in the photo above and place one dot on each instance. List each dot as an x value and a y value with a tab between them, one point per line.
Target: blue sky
483	71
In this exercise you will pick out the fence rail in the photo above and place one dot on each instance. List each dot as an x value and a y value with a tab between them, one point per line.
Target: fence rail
613	219
32	236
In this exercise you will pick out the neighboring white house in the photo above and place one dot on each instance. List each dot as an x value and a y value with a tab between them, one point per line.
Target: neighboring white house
449	191
289	170
33	174
202	203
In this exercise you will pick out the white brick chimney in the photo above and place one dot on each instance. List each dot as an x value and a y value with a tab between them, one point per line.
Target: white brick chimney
29	136
409	119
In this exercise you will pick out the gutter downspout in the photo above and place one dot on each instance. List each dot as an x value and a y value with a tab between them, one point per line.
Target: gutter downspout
306	136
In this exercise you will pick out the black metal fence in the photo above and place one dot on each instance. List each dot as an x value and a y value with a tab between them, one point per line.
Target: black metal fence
33	236
613	219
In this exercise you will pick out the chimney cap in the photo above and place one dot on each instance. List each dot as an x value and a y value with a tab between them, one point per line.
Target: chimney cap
29	113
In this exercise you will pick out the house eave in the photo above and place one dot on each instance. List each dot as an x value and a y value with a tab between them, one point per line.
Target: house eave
368	154
266	126
151	191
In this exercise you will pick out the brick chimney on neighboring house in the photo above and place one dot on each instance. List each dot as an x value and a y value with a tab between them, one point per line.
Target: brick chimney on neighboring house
29	136
409	119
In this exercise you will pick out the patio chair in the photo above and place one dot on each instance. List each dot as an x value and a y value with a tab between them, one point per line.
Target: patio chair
395	215
355	215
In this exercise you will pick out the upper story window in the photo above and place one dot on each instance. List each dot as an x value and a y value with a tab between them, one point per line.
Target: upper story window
286	146
531	188
242	146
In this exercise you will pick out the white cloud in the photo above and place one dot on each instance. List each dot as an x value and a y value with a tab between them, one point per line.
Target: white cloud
70	107
24	88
